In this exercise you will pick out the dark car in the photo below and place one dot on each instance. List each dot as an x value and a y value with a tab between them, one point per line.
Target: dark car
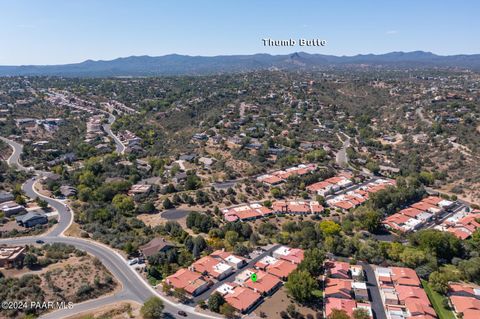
182	313
39	241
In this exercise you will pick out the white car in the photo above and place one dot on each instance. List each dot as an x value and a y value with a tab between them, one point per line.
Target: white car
133	261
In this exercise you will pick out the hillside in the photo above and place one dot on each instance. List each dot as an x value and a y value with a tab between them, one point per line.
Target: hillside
175	64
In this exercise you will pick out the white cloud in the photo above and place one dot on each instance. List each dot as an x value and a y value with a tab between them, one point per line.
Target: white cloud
390	32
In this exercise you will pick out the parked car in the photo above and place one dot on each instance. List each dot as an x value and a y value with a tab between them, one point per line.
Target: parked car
182	313
133	261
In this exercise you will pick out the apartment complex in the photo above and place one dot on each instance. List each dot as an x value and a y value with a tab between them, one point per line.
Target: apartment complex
345	288
402	294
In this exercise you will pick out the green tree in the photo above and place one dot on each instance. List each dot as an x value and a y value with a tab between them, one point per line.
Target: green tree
167	204
180	294
339	314
152	308
30	260
20	200
123	203
228	311
361	313
300	285
276	192
215	301
369	218
471	269
313	261
231	237
412	257
330	228
41	203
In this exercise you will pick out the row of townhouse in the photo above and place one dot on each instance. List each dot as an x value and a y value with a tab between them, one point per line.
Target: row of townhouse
94	127
345	202
417	215
345	288
200	275
331	185
254	211
462	224
402	294
242	293
354	198
465	300
280	176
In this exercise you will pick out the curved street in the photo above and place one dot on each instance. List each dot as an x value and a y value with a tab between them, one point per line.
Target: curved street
119	146
134	287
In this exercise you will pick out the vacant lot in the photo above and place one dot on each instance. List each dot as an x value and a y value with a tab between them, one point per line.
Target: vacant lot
272	306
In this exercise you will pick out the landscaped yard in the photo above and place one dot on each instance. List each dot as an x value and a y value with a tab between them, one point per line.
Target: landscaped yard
437	301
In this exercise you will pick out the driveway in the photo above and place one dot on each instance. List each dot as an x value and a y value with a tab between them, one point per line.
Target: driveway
173	214
374	292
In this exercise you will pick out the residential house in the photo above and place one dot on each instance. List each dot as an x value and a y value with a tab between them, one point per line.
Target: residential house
235	261
11	256
68	191
265	284
11	208
156	246
243	299
338	288
246	212
6	197
138	189
192	282
210	266
337	269
293	255
465	299
32	219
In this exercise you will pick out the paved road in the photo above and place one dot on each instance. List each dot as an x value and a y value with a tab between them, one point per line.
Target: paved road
14	159
174	213
119	146
342	157
133	286
374	293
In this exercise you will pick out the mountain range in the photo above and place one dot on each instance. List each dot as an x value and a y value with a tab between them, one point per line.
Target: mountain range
175	64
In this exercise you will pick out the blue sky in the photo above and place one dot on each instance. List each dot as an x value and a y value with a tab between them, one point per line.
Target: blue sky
67	31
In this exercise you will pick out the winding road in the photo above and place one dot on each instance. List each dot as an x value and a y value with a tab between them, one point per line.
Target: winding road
134	287
119	146
342	157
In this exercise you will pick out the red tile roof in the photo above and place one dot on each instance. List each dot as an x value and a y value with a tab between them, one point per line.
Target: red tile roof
265	282
424	206
339	288
347	305
207	265
434	200
410	212
405	276
346	205
416	308
412	292
281	268
338	269
242	298
463	289
317	186
186	279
